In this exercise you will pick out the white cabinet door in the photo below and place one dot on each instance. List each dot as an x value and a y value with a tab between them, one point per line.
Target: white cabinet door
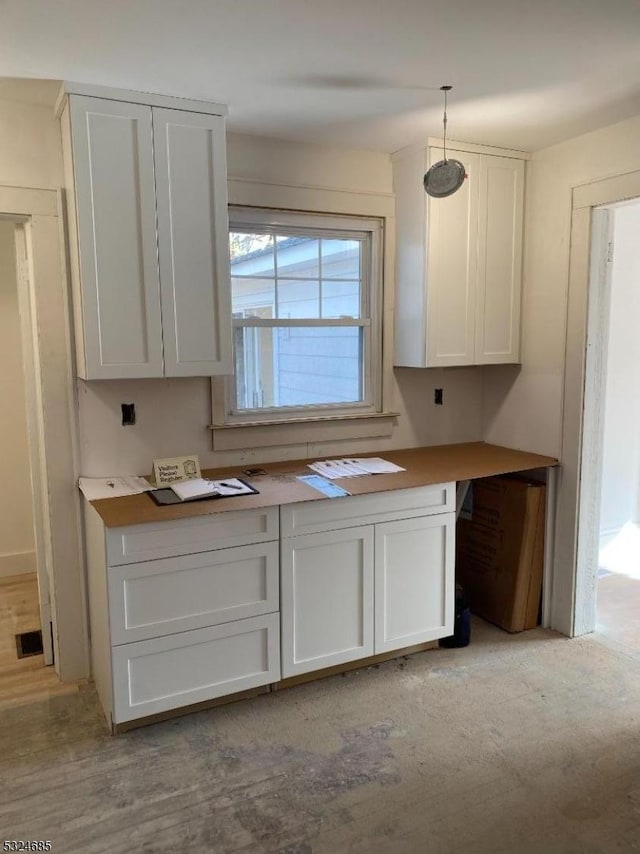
112	151
497	337
326	599
193	240
414	581
452	266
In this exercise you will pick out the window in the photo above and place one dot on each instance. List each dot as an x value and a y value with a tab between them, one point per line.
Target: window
306	295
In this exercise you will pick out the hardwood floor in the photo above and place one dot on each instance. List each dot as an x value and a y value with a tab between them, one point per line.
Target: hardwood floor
23	680
618	609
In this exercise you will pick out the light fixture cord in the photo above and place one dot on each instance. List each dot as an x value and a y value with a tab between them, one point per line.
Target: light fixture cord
444	128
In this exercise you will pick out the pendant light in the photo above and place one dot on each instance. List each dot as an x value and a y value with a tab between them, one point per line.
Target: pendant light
446	176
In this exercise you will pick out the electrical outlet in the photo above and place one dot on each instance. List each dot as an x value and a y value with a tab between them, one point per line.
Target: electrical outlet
437	396
128	414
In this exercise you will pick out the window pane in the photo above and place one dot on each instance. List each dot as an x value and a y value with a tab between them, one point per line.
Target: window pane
340	259
298	299
340	299
250	297
298	256
298	366
251	254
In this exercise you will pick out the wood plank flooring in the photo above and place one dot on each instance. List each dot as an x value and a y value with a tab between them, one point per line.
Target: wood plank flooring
618	609
23	680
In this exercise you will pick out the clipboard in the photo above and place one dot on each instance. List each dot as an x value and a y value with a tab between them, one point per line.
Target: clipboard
166	496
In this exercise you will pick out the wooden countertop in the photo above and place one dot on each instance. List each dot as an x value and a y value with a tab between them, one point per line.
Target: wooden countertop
436	464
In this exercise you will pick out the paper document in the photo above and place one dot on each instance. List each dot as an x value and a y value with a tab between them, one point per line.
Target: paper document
337	468
376	465
354	467
94	488
200	487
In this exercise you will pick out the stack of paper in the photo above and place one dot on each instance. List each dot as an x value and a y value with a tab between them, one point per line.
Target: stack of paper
376	465
94	488
357	467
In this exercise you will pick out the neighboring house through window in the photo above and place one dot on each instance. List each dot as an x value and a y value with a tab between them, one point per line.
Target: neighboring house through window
306	296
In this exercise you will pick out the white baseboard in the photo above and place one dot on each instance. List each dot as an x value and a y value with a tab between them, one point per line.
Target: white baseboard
19	563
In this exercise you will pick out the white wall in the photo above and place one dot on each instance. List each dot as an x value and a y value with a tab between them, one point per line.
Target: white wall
621	457
17	546
523	408
173	415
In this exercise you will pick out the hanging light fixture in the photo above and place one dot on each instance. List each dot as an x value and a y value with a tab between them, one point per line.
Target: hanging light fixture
446	176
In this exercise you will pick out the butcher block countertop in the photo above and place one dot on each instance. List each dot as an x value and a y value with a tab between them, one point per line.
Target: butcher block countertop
424	466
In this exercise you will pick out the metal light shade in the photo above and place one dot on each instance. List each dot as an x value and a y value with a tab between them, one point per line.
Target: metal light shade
444	178
447	175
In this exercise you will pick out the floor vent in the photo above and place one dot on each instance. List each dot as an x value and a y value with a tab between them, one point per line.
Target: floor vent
29	643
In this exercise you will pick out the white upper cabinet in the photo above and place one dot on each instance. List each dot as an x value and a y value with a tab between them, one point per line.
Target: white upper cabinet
452	270
147	201
193	242
458	261
120	334
497	334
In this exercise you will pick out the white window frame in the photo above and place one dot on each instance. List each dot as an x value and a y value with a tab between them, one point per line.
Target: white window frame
317	225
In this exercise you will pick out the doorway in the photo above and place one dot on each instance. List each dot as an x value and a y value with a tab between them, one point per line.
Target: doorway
26	632
43	294
577	530
618	577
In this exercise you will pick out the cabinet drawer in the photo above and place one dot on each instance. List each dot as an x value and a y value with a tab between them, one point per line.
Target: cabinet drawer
162	597
312	517
156	675
153	540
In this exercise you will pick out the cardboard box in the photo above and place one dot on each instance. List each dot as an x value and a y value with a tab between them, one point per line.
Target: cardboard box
500	551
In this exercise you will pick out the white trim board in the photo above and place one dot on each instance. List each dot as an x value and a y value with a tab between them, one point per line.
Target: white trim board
249	192
132	96
457	145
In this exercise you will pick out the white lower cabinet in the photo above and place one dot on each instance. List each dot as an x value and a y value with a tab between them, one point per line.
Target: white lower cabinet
351	592
327	599
414	581
176	620
193	609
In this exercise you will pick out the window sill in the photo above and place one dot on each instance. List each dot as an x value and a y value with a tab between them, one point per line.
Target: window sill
312	430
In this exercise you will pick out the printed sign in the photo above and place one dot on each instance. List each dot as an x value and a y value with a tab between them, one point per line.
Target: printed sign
174	469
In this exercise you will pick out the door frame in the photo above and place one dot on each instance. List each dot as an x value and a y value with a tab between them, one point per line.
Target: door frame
578	509
40	214
34	422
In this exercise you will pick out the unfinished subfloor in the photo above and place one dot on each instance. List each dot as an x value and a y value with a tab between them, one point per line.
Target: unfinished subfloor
525	743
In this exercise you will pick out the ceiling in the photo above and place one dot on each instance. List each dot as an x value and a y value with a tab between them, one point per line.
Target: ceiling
359	73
